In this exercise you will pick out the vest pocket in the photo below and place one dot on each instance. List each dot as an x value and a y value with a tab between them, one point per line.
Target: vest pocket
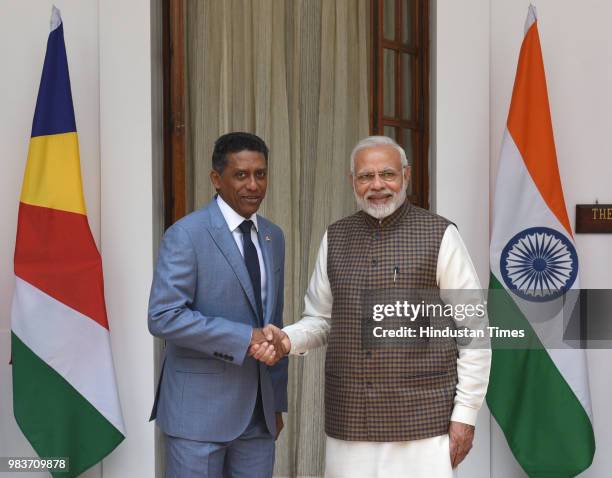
423	375
333	376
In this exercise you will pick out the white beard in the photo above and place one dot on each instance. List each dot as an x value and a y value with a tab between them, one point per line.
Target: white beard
380	211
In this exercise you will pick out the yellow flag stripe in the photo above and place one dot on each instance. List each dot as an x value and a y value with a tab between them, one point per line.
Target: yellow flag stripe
53	173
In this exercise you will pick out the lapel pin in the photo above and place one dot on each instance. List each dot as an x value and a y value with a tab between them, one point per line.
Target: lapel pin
267	238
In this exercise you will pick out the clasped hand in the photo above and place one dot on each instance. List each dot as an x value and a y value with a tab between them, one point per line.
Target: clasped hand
269	344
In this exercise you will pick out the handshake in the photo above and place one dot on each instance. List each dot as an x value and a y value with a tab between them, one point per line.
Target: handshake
269	344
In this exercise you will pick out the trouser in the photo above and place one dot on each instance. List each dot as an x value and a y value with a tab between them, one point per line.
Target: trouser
250	455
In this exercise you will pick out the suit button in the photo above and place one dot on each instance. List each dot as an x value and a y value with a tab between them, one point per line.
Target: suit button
374	262
231	358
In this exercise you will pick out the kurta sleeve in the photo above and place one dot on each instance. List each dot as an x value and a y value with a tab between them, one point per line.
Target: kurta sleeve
458	282
312	330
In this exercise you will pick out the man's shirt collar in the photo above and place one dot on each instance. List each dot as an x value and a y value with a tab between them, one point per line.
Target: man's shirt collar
232	218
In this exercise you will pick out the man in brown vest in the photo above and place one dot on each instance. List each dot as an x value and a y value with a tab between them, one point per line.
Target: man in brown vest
395	411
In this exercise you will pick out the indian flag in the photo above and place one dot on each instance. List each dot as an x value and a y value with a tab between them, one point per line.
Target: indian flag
538	393
64	393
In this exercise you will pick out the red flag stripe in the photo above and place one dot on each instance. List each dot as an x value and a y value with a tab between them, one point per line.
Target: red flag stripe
56	253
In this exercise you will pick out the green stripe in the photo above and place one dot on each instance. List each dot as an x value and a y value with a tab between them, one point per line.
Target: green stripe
547	428
56	419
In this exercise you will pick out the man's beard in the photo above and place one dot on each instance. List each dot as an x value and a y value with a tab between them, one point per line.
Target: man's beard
380	211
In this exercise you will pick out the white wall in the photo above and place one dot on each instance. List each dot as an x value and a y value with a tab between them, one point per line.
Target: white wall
109	55
127	219
460	149
576	46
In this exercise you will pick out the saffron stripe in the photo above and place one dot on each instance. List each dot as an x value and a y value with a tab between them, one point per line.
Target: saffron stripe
530	126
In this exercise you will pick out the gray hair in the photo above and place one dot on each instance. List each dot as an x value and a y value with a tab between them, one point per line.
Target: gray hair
373	141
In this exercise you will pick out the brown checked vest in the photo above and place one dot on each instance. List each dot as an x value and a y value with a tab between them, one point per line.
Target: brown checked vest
384	394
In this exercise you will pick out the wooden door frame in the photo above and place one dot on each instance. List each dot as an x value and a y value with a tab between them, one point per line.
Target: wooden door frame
174	110
419	119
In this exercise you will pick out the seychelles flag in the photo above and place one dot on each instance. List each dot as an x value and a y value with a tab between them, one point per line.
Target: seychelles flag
538	390
65	397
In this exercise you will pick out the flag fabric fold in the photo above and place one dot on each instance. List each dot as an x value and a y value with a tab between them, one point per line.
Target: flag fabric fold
538	394
65	397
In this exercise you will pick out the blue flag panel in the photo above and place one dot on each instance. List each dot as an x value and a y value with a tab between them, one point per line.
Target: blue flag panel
54	111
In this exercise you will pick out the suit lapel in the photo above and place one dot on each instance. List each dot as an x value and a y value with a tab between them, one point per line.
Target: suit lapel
222	236
265	243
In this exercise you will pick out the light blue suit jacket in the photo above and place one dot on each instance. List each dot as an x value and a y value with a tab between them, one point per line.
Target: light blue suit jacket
202	303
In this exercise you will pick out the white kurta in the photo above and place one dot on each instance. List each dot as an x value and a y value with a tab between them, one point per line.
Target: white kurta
428	458
455	271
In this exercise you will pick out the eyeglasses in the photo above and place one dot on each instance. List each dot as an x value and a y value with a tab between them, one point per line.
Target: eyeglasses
387	175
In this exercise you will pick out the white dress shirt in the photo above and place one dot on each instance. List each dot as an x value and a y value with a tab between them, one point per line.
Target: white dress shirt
455	271
233	220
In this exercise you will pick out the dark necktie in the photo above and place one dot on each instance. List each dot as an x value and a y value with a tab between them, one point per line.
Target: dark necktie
252	265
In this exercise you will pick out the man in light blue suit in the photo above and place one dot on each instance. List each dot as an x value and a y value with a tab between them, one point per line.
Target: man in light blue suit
217	290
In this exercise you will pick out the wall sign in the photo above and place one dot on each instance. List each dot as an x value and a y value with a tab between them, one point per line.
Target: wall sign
594	218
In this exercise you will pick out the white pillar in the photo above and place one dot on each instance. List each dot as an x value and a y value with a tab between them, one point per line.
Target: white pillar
127	219
460	149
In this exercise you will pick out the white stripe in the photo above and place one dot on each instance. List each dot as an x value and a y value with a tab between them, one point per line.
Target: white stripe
56	17
532	16
72	344
518	205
